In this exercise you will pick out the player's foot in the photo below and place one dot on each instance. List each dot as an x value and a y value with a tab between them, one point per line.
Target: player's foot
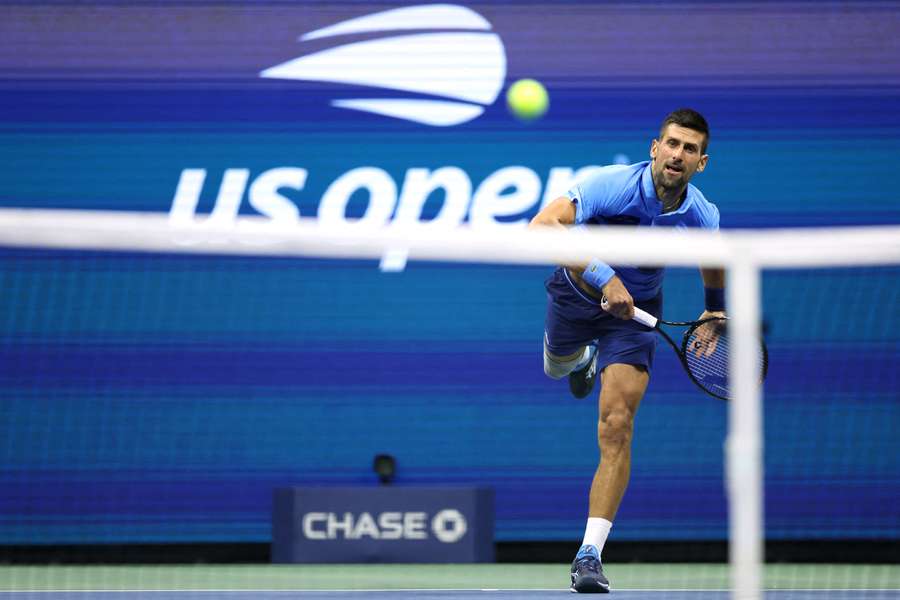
581	382
587	572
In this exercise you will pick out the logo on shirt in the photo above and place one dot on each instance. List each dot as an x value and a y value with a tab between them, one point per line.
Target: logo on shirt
461	66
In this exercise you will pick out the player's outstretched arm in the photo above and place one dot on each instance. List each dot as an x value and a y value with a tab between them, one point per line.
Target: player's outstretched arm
559	213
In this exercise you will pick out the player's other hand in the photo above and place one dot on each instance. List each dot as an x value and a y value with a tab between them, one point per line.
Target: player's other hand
619	302
708	334
709	314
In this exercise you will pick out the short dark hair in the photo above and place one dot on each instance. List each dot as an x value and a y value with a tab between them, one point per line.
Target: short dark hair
690	119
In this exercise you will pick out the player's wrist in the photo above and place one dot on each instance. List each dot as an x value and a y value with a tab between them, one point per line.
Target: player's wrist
610	286
597	274
714	299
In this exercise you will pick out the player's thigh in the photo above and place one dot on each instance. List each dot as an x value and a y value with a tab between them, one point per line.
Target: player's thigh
622	388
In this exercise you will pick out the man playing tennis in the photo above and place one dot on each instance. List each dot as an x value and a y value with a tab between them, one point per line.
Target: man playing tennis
581	339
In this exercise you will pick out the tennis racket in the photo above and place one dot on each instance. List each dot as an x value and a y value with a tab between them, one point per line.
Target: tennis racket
703	351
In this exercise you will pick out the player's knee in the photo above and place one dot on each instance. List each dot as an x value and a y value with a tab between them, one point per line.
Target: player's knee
616	427
554	368
557	367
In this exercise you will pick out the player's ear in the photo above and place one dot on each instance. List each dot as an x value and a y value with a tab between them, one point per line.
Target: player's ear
702	164
654	145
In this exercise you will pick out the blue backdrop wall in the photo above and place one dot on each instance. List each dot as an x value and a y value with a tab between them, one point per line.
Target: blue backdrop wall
162	398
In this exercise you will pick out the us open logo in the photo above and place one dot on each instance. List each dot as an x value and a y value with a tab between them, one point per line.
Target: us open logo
461	65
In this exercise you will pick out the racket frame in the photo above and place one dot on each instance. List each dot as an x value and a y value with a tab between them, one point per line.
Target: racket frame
648	320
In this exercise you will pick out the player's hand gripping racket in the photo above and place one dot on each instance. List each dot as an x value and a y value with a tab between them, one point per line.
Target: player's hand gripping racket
704	350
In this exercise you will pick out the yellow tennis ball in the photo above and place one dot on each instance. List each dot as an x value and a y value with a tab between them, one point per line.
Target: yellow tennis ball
527	99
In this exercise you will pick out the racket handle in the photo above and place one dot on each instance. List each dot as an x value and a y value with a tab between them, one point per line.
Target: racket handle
641	316
645	318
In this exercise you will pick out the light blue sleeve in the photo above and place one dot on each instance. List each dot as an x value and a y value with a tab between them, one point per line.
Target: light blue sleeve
598	192
707	214
713	221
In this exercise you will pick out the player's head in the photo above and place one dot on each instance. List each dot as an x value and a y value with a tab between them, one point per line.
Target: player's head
680	150
687	118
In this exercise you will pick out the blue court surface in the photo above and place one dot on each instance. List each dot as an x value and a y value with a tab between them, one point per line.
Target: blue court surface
434	594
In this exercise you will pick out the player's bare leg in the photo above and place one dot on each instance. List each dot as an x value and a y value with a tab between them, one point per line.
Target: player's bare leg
622	387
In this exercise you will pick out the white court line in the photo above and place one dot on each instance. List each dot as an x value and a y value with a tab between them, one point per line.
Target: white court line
300	591
361	590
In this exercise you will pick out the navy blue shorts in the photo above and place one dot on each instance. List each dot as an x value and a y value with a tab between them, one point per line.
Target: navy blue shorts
575	320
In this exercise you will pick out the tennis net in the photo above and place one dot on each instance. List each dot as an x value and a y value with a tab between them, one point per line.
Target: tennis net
160	381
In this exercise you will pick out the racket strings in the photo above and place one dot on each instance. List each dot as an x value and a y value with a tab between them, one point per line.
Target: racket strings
707	360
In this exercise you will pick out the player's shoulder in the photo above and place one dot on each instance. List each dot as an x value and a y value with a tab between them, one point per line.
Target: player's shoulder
705	212
610	180
613	174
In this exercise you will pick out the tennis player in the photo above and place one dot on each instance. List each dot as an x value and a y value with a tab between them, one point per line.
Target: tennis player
581	339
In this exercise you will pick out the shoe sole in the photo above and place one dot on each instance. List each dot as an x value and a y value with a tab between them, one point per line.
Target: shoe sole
588	586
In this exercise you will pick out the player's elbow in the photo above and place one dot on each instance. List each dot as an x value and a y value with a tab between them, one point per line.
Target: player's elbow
542	220
559	213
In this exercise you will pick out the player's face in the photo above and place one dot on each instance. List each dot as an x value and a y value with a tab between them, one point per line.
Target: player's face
677	156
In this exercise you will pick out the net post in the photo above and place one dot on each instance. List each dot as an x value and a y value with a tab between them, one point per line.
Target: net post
743	448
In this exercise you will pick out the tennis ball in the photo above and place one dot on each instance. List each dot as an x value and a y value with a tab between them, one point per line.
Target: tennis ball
527	99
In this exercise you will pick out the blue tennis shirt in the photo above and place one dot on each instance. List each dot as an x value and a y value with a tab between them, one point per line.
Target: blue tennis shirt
625	195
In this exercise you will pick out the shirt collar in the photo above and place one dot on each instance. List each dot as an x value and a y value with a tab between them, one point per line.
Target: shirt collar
651	201
648	192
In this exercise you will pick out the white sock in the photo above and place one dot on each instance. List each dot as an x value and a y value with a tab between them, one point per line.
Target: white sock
585	358
596	532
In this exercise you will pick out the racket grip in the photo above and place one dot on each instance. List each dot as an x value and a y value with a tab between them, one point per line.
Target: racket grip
645	318
641	316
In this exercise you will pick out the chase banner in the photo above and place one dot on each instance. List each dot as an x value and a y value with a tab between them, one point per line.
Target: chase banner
383	524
